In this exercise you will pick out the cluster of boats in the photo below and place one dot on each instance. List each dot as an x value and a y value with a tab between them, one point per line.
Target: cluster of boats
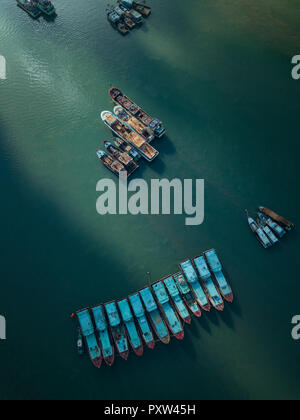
127	15
134	130
37	7
269	227
159	310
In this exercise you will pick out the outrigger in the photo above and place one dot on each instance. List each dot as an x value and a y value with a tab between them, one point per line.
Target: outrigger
168	312
155	125
187	294
216	268
177	299
279	219
134	123
209	286
88	332
141	318
105	338
132	332
117	329
190	274
157	322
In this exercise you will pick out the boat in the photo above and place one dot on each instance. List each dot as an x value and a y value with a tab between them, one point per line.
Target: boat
259	233
125	159
139	312
46	7
279	219
187	294
129	135
205	275
190	274
155	125
80	346
157	322
130	11
117	329
129	22
104	335
134	123
142	9
111	163
116	22
270	234
88	332
30	7
280	232
166	309
177	300
132	332
216	268
123	146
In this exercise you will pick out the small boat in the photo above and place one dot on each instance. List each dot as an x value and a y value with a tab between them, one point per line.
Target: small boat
125	159
177	299
155	125
216	268
46	7
129	135
212	292
129	22
134	123
116	22
157	322
270	234
187	295
105	338
80	346
167	310
132	332
142	9
280	232
111	163
30	7
139	312
190	274
88	332
117	329
279	219
130	11
123	146
259	233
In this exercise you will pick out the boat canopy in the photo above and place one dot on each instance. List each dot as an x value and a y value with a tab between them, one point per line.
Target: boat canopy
189	271
160	292
213	261
202	268
85	322
137	305
125	310
112	313
148	299
171	286
99	318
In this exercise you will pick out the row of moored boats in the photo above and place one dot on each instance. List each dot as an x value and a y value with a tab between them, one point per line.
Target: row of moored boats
157	311
269	227
134	130
35	8
127	15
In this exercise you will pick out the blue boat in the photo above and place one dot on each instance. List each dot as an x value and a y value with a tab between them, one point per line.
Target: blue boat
30	7
141	318
88	332
190	274
205	275
157	322
186	293
277	218
216	268
167	310
132	332
270	234
46	7
260	234
105	339
117	329
177	299
280	232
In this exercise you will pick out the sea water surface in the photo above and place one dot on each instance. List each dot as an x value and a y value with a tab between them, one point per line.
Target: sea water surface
218	74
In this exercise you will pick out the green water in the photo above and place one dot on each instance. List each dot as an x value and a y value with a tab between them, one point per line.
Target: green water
218	74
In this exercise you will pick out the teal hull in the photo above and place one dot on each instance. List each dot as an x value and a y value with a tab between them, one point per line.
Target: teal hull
143	323
177	299
132	332
192	278
104	335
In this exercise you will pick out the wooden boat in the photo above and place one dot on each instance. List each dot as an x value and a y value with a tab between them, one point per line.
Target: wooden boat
142	9
122	157
279	219
111	163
